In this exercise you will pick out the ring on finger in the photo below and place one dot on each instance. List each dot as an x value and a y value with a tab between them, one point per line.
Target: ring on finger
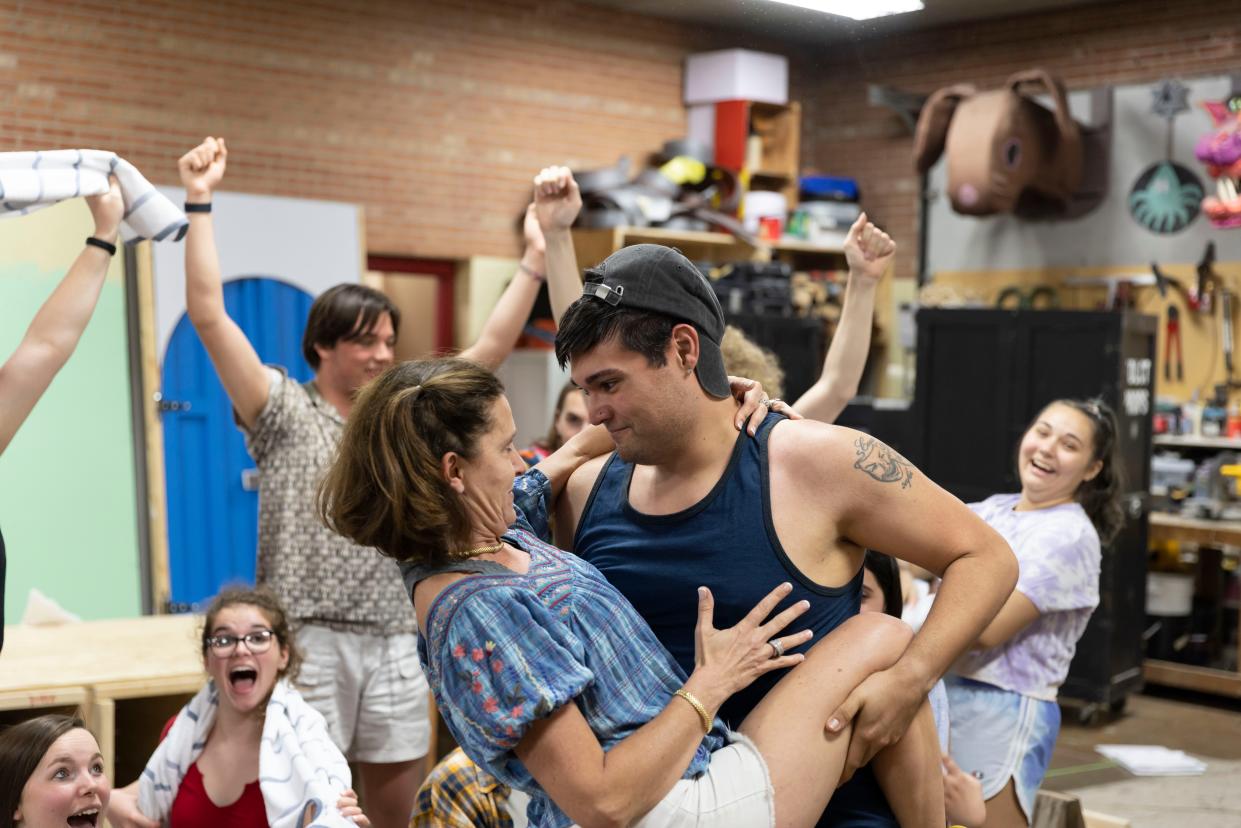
776	647
773	402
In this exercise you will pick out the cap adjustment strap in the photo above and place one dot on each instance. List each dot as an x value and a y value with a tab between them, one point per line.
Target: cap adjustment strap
609	294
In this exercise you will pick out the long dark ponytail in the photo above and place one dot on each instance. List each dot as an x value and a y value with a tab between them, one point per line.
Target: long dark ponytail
1100	495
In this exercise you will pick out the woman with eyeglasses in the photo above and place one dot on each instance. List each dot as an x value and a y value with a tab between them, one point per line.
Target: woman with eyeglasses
247	650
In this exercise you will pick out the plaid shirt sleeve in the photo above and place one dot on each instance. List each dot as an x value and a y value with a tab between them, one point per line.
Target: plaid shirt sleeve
459	794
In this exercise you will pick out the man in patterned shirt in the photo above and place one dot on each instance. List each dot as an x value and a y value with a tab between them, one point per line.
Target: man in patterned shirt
354	621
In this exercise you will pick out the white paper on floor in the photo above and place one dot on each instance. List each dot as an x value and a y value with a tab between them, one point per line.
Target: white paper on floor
1153	760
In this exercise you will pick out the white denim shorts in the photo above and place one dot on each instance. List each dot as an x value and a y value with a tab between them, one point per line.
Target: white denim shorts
735	791
370	690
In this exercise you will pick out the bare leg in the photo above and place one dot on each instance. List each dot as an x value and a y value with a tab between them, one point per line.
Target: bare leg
804	760
1003	810
902	771
388	791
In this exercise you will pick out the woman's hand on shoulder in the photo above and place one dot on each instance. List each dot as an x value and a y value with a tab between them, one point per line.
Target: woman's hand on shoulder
729	660
754	404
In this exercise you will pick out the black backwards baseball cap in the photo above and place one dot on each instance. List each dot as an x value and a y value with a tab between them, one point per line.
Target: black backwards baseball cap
660	279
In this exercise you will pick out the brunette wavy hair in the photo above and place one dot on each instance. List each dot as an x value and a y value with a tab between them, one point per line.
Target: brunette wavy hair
385	488
743	357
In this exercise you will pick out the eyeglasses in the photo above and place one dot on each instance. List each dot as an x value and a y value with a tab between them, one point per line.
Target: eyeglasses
258	641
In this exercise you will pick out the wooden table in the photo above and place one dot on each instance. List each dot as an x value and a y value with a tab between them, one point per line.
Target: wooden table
1164	526
94	664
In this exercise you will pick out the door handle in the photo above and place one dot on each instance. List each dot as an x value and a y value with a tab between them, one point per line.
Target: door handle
163	405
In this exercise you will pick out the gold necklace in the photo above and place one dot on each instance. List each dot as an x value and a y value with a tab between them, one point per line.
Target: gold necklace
483	550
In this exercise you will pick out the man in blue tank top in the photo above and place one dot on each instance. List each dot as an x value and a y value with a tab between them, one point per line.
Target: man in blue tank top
686	501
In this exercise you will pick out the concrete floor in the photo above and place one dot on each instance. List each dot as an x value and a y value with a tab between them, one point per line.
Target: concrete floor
1203	726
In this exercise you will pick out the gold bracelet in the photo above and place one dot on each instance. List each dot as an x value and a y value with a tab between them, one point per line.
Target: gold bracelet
698	708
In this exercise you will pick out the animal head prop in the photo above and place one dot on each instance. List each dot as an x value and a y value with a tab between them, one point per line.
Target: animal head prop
1007	153
1221	152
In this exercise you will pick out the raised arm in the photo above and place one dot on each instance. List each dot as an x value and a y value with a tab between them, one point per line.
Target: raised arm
55	330
558	201
236	362
507	319
869	252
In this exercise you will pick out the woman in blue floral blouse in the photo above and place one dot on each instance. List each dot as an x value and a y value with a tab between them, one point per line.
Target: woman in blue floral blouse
547	676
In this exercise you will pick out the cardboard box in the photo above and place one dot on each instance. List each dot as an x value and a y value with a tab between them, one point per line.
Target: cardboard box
700	124
736	74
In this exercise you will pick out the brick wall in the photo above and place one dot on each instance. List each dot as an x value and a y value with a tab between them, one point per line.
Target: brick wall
433	114
1126	42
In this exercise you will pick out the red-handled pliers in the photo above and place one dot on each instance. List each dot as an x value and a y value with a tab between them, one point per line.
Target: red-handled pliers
1172	336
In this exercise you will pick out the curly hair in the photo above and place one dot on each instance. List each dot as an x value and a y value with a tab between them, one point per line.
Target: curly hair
385	488
743	357
266	602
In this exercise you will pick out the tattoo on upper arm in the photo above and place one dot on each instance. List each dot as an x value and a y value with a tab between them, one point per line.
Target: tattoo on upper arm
882	462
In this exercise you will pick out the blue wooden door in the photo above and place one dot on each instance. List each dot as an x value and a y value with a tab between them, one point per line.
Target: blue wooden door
212	486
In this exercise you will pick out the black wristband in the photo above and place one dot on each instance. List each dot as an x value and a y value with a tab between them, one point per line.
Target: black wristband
109	247
198	208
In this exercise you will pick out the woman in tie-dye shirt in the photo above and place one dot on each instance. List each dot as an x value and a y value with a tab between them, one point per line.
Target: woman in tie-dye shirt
1002	694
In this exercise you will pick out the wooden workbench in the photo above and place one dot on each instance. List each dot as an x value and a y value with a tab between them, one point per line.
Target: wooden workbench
1164	526
93	664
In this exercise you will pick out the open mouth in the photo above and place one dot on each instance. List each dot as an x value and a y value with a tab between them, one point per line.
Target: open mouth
1044	469
243	678
84	818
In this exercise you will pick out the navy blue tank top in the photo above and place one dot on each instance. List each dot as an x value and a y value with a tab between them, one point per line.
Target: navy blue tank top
727	542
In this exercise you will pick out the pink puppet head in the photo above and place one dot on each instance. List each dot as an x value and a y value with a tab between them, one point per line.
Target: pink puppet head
1220	151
